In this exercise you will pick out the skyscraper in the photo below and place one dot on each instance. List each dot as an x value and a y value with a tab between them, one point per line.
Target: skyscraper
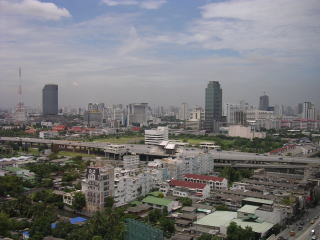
50	99
309	111
264	103
213	106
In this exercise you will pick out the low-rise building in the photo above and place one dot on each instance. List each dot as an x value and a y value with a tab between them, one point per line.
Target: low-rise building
156	136
213	181
179	188
161	203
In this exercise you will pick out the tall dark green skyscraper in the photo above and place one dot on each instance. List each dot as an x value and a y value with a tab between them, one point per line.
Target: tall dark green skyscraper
213	106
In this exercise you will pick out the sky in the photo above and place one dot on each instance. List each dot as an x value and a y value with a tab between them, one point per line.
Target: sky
162	52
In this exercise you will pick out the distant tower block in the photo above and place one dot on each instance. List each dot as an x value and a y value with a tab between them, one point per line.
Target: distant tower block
50	99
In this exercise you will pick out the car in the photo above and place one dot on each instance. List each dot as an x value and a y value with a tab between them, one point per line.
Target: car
312	221
300	228
314	238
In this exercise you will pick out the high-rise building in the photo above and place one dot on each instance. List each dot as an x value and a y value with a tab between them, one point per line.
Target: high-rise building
264	103
137	114
213	106
309	111
50	99
97	186
183	112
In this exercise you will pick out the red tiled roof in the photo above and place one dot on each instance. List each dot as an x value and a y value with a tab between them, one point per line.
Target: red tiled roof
59	128
204	177
180	183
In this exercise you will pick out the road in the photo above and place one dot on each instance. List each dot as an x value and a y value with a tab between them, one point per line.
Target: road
305	233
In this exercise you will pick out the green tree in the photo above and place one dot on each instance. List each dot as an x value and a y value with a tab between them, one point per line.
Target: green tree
207	236
5	224
167	225
79	201
235	232
108	202
185	201
154	215
62	229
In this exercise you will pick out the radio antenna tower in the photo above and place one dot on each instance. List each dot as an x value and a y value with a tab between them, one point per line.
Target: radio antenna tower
20	104
20	114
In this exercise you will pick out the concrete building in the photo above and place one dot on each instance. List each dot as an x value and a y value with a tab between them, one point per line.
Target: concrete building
137	114
97	186
218	222
264	103
131	161
309	111
215	183
235	114
50	99
184	112
180	188
48	134
244	132
213	106
156	136
255	114
161	203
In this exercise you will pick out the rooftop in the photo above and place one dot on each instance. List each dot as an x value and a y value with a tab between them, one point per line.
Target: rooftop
248	209
258	200
258	227
157	201
217	219
204	177
186	184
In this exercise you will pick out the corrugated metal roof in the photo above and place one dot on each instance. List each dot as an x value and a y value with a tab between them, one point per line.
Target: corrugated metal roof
157	201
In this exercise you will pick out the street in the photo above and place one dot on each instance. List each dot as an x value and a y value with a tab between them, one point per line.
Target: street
305	232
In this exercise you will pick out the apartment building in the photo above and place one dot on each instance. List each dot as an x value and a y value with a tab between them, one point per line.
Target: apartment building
97	186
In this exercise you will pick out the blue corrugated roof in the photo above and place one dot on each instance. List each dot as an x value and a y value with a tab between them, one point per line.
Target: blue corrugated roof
77	220
53	225
26	234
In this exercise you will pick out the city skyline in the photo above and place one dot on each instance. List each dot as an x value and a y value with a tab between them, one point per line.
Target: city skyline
140	51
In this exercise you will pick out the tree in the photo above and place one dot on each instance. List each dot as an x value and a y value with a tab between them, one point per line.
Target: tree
207	236
235	232
5	224
79	201
108	202
185	201
62	229
167	225
154	215
97	238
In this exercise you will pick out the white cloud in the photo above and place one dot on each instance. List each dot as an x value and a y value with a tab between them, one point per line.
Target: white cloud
147	4
152	4
245	25
34	9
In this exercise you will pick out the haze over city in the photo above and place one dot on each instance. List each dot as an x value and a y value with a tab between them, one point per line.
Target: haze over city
160	52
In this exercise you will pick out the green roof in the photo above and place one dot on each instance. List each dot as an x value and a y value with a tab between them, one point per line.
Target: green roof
217	219
248	209
156	194
257	227
135	203
13	169
258	200
157	201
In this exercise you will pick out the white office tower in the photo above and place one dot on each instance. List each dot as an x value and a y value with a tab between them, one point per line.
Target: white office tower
156	136
309	111
183	112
